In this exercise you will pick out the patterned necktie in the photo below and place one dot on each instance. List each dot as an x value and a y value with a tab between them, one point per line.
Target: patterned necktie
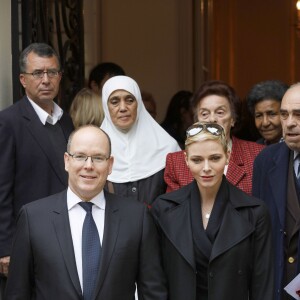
91	252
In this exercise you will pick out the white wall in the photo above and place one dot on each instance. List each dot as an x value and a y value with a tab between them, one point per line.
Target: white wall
5	55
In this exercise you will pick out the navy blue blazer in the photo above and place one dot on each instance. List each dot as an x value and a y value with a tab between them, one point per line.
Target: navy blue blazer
269	183
30	169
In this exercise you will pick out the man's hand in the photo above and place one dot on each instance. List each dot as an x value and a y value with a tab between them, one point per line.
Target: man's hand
4	264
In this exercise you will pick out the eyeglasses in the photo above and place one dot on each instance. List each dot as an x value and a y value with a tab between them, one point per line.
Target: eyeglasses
212	128
98	159
40	74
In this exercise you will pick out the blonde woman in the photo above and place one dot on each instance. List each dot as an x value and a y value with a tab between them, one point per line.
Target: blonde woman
215	239
86	108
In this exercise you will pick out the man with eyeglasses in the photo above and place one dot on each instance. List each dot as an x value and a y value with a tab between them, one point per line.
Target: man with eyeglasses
33	137
85	243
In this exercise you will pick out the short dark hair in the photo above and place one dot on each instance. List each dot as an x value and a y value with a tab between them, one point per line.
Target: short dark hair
270	89
85	126
219	88
99	72
41	49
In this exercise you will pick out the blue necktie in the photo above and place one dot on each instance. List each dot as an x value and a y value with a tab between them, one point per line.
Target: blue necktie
91	252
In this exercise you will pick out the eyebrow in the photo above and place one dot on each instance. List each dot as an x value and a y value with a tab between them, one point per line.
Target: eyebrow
219	107
293	111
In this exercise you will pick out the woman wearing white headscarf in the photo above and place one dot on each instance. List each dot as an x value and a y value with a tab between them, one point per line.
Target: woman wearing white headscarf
139	144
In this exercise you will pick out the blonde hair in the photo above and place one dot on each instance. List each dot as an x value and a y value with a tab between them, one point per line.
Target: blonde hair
205	135
86	108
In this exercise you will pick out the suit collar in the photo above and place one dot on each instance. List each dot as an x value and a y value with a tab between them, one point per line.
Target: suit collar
278	173
111	229
63	232
176	224
64	236
236	170
176	219
35	127
236	195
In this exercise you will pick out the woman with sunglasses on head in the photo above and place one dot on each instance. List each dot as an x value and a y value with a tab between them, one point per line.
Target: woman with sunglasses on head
217	102
215	239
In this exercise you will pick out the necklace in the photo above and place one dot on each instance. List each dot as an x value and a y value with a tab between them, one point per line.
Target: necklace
207	216
206	213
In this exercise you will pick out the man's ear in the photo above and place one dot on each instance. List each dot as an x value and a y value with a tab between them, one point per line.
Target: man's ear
111	162
22	80
67	160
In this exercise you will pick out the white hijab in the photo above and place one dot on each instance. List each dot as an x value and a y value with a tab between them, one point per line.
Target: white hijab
140	152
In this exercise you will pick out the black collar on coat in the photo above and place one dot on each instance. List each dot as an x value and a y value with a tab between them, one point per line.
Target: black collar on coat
172	213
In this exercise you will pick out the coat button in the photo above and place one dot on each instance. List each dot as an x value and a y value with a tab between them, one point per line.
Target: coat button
291	259
240	272
211	274
133	189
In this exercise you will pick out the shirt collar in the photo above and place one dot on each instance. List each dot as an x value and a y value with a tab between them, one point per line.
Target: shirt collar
44	116
73	199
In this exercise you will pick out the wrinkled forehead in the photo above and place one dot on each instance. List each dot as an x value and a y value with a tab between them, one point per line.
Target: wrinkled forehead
120	93
291	98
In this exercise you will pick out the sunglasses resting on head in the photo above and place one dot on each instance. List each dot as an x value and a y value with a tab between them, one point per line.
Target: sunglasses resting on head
213	128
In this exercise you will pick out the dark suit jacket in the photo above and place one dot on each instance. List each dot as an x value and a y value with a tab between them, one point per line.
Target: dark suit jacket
43	261
241	259
29	169
270	175
239	171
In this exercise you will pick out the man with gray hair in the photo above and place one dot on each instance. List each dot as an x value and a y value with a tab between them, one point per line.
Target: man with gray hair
33	138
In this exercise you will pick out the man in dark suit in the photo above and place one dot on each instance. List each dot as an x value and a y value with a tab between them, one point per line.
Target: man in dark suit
276	181
33	137
48	258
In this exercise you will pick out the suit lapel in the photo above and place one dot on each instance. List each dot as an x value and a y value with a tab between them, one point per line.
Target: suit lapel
111	230
234	228
35	127
280	170
177	219
236	170
63	232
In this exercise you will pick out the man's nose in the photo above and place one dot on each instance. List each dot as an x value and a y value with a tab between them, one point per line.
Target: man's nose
89	162
45	77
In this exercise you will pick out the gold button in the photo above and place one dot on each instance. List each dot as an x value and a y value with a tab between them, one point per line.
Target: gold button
291	260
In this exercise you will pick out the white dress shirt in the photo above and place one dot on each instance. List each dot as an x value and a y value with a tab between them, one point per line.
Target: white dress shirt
76	217
44	116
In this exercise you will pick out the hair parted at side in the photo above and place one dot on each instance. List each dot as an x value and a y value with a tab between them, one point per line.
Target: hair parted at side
87	126
40	49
